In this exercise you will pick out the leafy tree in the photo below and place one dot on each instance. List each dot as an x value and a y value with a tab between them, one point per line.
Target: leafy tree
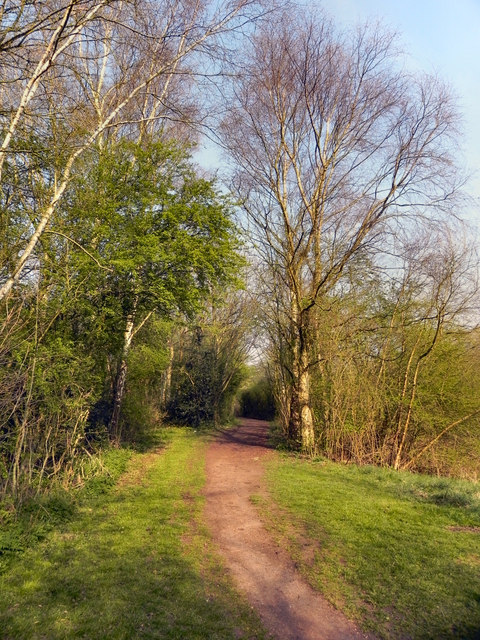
150	240
95	70
166	235
210	363
257	400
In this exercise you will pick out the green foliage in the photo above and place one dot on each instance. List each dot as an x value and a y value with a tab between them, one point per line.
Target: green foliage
23	526
209	364
194	386
197	395
167	238
156	239
398	551
206	380
166	234
44	418
101	472
388	383
147	361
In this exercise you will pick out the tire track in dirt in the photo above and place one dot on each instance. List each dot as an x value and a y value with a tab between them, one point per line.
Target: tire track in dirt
288	606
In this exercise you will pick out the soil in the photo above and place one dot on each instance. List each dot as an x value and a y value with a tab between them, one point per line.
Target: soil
263	571
465	529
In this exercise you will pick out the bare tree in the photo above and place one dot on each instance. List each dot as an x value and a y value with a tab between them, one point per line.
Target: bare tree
36	35
445	273
333	147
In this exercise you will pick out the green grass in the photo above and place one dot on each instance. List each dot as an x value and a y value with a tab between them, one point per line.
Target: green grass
33	519
398	552
132	562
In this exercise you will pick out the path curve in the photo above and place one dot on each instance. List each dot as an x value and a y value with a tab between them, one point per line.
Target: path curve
288	606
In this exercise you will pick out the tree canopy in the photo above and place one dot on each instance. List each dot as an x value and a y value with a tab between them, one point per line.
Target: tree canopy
125	294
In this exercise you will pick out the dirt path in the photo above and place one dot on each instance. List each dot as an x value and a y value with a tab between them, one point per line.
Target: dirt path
289	607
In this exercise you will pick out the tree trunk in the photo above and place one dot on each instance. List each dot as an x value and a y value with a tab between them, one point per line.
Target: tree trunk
401	445
121	379
167	377
306	414
301	425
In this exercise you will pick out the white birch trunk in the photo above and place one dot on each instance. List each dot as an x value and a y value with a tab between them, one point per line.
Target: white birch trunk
121	379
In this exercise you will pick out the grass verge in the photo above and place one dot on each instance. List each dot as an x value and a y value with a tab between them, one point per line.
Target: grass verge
31	521
398	552
133	562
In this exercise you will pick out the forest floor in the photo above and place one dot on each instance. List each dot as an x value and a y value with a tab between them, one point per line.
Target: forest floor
260	567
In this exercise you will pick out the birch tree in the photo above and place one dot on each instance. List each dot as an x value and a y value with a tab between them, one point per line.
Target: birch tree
333	147
113	65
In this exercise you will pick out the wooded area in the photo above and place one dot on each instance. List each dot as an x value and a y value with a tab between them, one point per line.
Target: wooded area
133	289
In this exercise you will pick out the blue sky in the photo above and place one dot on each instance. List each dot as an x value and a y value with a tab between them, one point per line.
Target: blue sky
437	36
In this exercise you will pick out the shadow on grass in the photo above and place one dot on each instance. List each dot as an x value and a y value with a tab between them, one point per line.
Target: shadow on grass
127	567
386	546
